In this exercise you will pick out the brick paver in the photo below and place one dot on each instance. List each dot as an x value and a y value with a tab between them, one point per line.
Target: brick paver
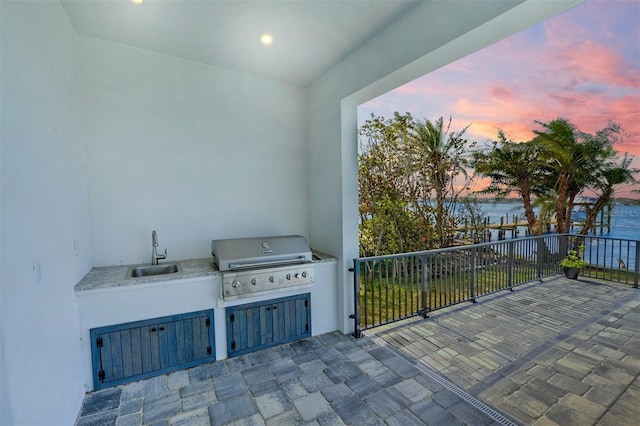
555	353
560	352
330	379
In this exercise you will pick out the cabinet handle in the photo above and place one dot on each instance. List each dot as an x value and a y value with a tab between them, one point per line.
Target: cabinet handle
153	329
161	328
275	307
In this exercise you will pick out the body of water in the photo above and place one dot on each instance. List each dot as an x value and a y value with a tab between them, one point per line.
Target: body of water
625	220
625	224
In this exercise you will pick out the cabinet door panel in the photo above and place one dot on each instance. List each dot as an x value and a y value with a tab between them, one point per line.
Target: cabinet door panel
188	338
258	325
204	338
127	358
145	347
127	352
136	352
181	345
197	344
107	364
154	347
163	345
172	355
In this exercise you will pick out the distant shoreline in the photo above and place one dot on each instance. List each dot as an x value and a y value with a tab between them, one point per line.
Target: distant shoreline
623	201
627	201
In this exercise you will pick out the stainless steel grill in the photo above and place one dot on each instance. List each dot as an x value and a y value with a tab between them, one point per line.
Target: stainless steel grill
256	266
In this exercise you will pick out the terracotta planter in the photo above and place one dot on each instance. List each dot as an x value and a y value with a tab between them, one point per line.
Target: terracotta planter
572	273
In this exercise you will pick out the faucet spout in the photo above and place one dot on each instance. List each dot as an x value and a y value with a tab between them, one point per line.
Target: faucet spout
154	255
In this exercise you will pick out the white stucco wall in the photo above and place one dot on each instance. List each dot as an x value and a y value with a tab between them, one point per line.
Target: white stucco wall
432	35
45	216
193	151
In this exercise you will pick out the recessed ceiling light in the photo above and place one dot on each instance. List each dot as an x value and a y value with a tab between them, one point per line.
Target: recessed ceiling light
266	39
137	1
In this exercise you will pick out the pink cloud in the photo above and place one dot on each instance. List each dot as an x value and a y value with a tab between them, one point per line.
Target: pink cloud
583	65
590	61
501	93
409	89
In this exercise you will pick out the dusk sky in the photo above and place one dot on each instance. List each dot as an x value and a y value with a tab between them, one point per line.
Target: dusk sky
582	65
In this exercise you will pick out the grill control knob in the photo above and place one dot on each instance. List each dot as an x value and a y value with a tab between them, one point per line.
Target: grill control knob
288	276
304	275
254	281
272	279
297	275
235	284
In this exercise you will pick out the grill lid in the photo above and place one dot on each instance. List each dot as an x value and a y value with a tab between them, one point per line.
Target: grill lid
245	253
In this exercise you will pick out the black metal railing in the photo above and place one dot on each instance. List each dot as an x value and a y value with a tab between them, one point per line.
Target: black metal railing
394	287
610	259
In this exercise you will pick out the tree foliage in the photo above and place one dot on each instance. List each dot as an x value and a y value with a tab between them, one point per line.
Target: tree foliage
438	160
407	176
574	159
513	167
615	172
412	175
554	168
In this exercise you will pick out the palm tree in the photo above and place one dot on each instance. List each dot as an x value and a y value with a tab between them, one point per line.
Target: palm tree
613	174
512	167
439	159
575	161
546	210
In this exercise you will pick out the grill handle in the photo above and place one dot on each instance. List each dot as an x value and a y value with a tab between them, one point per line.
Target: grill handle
293	260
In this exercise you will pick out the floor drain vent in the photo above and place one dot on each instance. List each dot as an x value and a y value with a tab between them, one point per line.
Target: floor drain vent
450	386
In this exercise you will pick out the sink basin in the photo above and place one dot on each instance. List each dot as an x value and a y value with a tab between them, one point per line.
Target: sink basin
147	271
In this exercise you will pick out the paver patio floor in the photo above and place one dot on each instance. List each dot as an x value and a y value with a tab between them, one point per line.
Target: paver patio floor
560	352
332	379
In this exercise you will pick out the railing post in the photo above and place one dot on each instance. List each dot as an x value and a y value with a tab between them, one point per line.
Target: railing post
357	331
472	279
566	243
425	287
539	257
564	247
636	274
512	259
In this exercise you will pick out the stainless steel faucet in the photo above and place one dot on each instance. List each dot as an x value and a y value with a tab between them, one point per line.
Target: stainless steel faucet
154	255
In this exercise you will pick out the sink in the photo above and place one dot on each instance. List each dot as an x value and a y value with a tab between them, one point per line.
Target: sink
147	271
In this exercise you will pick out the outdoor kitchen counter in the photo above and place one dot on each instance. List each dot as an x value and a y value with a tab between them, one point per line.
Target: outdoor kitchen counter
107	297
116	276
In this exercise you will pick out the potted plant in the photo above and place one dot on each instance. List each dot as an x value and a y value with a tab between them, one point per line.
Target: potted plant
573	262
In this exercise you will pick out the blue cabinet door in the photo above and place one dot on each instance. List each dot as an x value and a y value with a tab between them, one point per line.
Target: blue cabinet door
259	325
132	351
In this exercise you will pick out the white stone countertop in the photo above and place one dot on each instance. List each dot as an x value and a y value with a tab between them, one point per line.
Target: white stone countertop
117	276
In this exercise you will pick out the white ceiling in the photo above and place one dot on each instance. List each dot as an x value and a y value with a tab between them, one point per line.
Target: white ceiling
310	36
